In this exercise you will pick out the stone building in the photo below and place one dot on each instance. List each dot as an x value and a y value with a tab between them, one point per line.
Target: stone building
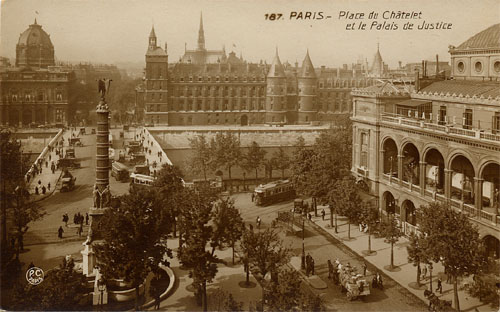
214	89
439	141
35	91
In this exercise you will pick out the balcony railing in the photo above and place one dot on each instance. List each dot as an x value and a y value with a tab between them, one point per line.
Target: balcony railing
450	129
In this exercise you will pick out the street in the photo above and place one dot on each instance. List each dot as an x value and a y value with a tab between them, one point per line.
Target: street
323	247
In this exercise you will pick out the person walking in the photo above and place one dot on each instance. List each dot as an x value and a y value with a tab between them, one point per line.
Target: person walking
312	265
80	229
364	268
48	186
323	213
439	286
44	189
60	232
86	218
36	190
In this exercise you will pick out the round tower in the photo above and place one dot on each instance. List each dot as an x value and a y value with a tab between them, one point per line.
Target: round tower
276	92
307	84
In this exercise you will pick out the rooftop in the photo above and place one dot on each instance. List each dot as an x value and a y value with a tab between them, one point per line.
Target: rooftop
488	38
465	88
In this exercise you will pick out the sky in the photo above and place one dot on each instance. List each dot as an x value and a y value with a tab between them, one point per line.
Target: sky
112	31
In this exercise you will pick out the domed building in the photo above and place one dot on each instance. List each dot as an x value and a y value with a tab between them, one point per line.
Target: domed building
35	91
34	48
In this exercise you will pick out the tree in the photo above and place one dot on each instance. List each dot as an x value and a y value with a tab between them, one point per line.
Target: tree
451	237
228	225
281	160
345	198
287	295
254	158
63	289
197	233
12	170
484	285
370	217
269	165
391	232
23	212
170	186
200	162
226	151
416	253
135	238
224	301
265	253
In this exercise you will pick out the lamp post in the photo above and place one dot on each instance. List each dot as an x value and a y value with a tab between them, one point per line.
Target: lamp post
303	257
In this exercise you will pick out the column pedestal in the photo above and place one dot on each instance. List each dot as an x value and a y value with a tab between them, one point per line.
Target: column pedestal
89	260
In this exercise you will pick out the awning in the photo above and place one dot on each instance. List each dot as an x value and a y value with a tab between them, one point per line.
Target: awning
413	103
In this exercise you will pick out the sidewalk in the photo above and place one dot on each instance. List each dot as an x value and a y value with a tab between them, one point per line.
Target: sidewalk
47	176
228	278
406	273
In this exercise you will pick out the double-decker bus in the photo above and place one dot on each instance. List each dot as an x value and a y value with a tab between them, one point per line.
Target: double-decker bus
274	192
141	180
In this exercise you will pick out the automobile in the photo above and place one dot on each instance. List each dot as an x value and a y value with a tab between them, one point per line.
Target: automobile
68	163
70	153
67	182
82	130
75	142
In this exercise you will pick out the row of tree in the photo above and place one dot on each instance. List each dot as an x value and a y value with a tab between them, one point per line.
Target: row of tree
224	151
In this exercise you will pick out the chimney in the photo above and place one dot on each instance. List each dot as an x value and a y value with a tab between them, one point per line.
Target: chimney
437	65
417	81
423	68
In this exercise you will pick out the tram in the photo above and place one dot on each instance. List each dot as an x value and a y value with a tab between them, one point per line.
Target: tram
274	192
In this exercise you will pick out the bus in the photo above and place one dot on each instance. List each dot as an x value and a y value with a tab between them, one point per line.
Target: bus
120	172
274	192
142	180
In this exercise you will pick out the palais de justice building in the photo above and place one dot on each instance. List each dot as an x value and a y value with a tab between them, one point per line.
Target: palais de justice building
208	87
35	91
437	141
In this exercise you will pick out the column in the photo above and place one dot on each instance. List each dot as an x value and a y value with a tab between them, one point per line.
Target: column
478	193
400	169
447	183
382	163
423	167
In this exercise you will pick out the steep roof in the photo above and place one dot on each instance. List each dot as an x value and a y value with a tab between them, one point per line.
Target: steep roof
465	87
488	38
276	69
307	67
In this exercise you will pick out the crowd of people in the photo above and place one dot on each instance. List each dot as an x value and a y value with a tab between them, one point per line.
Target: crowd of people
78	220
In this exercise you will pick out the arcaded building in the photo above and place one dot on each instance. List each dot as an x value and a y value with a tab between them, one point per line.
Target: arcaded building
35	91
210	87
439	141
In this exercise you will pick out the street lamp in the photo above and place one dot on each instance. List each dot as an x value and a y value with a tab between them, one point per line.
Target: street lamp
303	258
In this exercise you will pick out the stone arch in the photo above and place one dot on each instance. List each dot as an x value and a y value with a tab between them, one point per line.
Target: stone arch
409	212
390	156
411	162
492	245
459	152
389	203
489	174
430	146
434	169
463	173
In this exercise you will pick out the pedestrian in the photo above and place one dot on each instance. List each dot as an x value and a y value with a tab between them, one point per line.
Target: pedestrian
60	232
75	219
36	190
50	157
44	190
312	265
364	268
439	286
80	229
258	222
309	215
323	213
86	218
39	182
48	186
308	264
253	197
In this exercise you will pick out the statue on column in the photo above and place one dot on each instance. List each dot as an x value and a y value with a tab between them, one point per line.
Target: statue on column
105	197
97	197
103	86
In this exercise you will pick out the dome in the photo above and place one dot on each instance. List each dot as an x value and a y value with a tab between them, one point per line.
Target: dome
486	39
35	35
34	48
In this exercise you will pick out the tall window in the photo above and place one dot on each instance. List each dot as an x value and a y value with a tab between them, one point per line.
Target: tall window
496	123
442	115
467	119
363	162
